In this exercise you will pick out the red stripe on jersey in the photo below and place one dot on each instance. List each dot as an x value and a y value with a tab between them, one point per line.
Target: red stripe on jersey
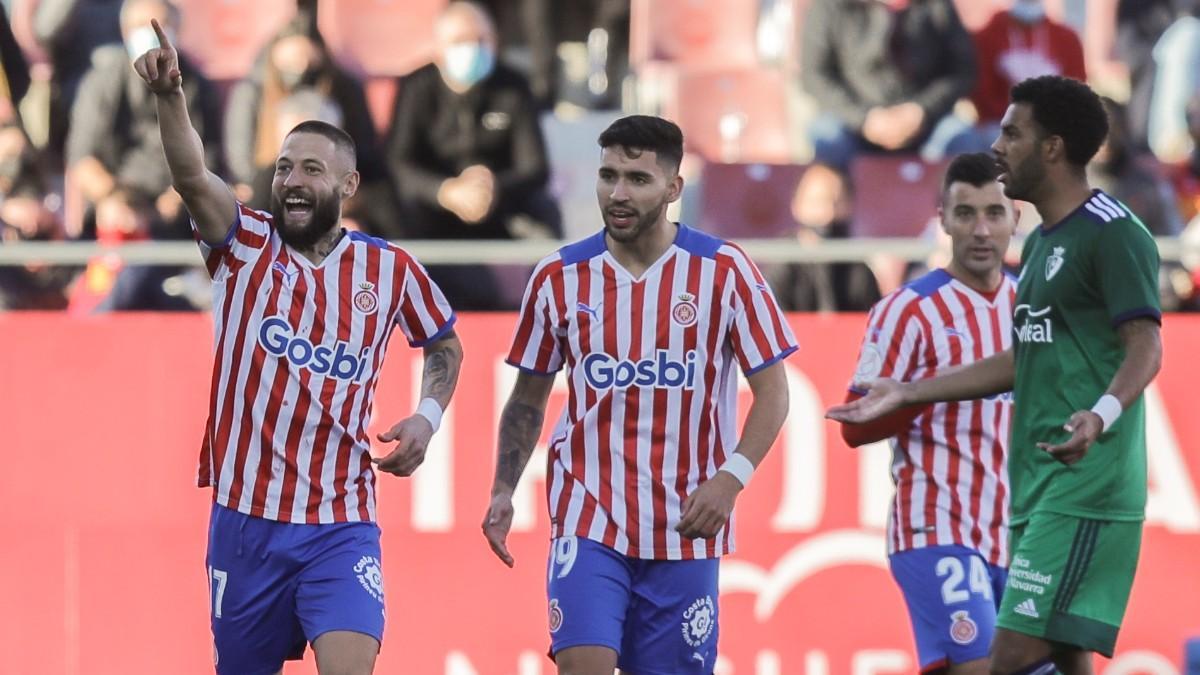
604	420
345	443
578	440
950	429
975	431
359	439
658	410
687	437
248	395
631	427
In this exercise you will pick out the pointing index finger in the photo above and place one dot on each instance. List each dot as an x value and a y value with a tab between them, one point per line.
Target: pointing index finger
163	41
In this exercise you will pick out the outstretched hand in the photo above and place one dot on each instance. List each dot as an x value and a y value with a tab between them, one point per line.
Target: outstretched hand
159	68
883	396
1085	427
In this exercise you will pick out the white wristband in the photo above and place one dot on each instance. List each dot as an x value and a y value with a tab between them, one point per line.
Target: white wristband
430	410
739	467
1108	408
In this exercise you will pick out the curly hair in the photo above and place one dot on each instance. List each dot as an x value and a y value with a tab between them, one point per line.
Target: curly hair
1066	108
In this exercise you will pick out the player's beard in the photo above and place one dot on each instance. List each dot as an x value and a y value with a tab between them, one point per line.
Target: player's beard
325	214
1024	179
645	221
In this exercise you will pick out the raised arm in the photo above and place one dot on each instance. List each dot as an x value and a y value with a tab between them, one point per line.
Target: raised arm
520	427
206	196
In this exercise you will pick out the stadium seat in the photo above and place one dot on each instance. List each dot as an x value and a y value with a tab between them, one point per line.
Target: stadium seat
894	195
749	200
699	34
731	116
380	37
224	37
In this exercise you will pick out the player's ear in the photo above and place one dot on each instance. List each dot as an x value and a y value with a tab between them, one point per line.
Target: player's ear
350	184
1053	148
674	187
942	219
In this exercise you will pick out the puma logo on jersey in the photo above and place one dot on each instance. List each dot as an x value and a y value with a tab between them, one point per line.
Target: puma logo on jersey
584	309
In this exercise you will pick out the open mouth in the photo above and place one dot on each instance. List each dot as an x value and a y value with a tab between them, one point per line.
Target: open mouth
297	206
621	217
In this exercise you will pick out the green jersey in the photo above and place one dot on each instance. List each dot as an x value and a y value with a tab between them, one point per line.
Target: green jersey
1080	279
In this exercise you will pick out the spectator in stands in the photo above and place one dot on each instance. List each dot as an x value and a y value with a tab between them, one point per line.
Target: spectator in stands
70	31
15	72
1133	177
25	215
823	206
108	284
296	59
1016	44
467	152
1177	78
884	73
1185	175
113	143
1140	24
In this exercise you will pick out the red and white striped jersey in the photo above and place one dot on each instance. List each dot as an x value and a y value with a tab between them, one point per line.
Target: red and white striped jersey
652	402
949	465
298	349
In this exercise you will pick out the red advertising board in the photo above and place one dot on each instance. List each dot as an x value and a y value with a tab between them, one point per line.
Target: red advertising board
103	535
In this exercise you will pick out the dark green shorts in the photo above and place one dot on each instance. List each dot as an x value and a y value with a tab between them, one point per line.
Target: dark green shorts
1070	578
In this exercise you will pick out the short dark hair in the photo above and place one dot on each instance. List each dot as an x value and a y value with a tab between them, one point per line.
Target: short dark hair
1068	109
341	140
646	132
972	168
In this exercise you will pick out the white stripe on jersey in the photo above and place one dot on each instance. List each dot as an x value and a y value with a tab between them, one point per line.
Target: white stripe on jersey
645	423
949	466
293	375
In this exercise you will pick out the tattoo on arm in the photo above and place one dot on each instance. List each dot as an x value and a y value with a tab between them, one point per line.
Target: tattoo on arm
520	426
442	362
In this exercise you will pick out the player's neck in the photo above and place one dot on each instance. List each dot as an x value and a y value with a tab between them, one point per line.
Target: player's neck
637	256
985	284
1061	197
317	253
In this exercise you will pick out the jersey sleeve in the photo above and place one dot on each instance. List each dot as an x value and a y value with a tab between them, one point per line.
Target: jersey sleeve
535	346
760	334
890	348
1126	262
424	313
247	239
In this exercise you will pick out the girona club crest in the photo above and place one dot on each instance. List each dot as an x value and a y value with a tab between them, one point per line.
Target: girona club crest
684	312
962	629
365	300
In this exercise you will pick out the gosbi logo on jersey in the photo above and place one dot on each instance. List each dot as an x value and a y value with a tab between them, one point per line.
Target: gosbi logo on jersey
1035	328
275	335
365	300
684	312
605	372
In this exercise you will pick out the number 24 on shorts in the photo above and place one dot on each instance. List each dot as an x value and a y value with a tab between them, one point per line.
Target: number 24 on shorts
950	569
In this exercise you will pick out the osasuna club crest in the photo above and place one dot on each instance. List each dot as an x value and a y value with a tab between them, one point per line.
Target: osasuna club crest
684	312
365	300
1054	262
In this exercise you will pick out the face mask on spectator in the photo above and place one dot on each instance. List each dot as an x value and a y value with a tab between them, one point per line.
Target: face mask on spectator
143	39
1028	11
468	62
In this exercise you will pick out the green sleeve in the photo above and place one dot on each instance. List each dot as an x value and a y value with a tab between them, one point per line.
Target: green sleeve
1127	264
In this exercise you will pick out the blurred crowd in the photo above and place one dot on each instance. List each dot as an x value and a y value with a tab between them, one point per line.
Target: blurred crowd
805	119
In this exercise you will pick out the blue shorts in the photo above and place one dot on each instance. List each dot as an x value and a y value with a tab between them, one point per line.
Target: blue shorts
660	616
952	595
277	586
